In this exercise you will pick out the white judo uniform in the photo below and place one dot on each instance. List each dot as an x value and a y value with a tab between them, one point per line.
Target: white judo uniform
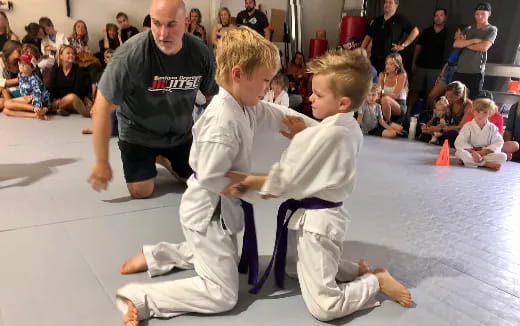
472	136
321	162
222	142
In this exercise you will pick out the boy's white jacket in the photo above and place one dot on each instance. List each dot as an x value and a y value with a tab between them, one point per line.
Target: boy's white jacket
320	162
222	142
471	135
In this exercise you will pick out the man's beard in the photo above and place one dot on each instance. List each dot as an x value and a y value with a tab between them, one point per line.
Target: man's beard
250	10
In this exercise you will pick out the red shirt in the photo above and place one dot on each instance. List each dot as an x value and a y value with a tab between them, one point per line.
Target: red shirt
497	119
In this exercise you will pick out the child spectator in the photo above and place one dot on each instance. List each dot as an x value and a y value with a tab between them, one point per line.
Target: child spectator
370	117
434	128
127	30
34	101
51	43
318	170
479	142
278	92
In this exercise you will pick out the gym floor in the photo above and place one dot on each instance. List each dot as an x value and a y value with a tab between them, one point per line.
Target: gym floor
449	233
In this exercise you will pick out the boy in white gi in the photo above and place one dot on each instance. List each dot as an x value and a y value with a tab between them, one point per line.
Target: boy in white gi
222	141
318	170
479	142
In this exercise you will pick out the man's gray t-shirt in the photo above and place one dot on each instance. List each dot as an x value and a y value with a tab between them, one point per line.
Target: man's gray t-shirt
156	92
474	62
370	117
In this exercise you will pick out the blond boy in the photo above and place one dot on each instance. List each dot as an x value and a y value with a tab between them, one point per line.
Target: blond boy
318	172
479	142
222	141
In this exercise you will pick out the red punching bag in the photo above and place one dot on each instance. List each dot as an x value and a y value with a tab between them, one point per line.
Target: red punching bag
352	31
317	47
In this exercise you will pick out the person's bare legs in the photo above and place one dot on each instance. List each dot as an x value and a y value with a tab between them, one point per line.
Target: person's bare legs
392	288
389	134
21	107
141	189
493	166
390	107
131	318
164	162
510	147
133	265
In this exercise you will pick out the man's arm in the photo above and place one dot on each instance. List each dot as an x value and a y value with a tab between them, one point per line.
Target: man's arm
481	46
409	40
366	42
101	173
267	33
465	43
102	126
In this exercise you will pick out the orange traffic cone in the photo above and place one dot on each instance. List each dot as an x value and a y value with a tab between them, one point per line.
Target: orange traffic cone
444	156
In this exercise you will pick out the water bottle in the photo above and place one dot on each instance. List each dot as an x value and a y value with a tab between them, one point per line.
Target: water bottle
413	128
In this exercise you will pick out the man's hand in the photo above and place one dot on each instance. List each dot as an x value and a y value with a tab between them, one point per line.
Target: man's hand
100	176
294	124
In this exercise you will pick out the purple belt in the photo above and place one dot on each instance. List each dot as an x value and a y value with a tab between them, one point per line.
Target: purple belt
280	246
249	258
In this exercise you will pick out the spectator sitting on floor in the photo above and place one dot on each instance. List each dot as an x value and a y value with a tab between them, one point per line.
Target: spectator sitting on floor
68	85
278	92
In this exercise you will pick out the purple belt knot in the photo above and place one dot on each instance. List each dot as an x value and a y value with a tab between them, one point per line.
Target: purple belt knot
280	247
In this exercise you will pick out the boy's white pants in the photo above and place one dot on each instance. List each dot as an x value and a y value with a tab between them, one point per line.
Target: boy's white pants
214	255
318	265
467	159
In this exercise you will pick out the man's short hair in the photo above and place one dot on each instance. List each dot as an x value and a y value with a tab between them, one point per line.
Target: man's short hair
121	14
441	9
244	47
350	73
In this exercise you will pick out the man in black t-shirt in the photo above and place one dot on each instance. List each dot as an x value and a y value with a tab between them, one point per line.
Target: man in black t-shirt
428	58
127	31
389	33
153	78
254	19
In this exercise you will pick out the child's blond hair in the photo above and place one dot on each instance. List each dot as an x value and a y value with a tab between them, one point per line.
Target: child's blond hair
444	101
350	73
376	88
246	48
484	105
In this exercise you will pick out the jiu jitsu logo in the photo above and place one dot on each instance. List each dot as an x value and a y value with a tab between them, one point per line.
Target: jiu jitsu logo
169	84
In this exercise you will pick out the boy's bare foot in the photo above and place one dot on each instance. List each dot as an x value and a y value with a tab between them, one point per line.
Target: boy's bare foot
493	165
164	162
41	113
131	317
86	131
133	265
363	267
392	288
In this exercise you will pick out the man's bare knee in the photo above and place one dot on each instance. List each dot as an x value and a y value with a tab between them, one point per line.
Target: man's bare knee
140	190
